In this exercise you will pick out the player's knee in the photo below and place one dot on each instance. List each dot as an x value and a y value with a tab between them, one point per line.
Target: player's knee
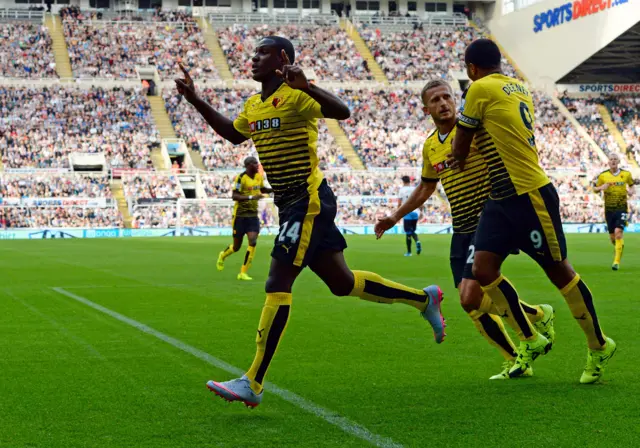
470	296
275	284
341	288
561	273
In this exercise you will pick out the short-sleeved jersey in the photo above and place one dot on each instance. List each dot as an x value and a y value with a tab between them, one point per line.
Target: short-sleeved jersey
284	129
467	190
246	186
501	109
615	197
405	192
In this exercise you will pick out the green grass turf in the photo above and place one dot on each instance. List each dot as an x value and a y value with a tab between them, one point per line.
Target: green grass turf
73	377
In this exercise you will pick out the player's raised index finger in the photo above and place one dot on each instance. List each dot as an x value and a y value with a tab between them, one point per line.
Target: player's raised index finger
285	56
184	70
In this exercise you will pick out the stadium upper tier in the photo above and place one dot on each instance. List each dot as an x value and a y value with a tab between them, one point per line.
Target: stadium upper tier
327	50
115	46
44	184
25	51
40	127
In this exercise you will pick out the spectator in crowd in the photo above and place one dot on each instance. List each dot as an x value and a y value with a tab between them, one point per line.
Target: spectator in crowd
151	186
53	185
26	51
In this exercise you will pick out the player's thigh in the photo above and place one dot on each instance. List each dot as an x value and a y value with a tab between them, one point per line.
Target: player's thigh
282	275
540	233
461	255
494	240
252	229
237	241
307	227
621	223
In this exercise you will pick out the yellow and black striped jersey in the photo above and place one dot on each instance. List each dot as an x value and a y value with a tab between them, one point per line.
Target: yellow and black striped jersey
501	109
615	197
467	190
246	186
284	130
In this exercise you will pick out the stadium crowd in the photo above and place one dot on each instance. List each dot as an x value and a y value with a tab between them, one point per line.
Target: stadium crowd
113	48
151	186
327	50
53	185
624	112
39	127
25	51
59	217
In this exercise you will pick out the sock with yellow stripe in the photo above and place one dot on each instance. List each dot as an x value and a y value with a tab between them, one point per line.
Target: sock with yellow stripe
248	258
370	286
273	322
228	251
580	302
492	329
618	251
504	296
534	312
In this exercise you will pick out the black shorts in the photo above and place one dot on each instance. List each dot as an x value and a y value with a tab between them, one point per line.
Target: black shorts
243	225
410	226
307	227
461	256
529	222
616	220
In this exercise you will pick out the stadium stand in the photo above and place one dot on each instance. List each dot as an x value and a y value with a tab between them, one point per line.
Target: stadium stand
26	51
327	50
113	46
41	126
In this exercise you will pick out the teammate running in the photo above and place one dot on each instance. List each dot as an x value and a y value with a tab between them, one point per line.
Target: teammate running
248	188
523	209
467	192
282	122
614	183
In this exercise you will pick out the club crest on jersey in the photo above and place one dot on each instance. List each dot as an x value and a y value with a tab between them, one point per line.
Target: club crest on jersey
440	167
276	101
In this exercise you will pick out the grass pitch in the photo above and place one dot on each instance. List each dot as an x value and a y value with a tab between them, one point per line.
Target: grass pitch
75	377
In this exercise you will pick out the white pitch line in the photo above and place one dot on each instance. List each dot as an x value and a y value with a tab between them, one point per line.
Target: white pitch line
327	415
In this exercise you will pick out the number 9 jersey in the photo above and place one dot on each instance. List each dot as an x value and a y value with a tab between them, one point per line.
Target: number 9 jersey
501	109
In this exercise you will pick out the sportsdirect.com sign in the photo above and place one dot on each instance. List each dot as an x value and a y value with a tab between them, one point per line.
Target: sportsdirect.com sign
600	88
572	11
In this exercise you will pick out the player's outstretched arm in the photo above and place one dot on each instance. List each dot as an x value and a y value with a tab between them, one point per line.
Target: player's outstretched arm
418	197
220	124
331	105
265	190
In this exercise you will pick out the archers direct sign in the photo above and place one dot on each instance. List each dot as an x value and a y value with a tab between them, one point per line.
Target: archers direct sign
572	11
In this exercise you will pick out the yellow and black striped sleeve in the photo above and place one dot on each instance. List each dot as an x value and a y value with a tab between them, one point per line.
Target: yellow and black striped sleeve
428	173
237	183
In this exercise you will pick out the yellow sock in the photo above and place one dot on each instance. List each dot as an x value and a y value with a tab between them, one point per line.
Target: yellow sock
370	286
504	296
618	251
248	258
273	322
228	251
580	302
492	329
534	312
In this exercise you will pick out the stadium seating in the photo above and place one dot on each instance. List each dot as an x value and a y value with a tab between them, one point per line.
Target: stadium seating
40	127
151	186
59	217
327	50
53	185
115	46
25	51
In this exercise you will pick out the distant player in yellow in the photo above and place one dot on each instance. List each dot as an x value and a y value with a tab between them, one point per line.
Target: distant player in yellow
523	209
614	182
248	188
467	192
281	121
